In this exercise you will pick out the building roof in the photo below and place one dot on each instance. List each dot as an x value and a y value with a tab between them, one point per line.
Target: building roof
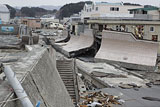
89	3
106	3
145	9
3	8
31	18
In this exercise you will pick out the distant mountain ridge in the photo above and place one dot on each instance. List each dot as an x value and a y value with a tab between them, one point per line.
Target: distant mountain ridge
50	7
47	7
69	9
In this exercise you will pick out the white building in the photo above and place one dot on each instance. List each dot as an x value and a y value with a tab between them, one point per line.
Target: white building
4	14
51	19
148	12
105	9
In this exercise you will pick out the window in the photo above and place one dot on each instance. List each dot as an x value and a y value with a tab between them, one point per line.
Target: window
84	8
37	21
87	10
96	8
90	9
151	29
114	9
126	29
131	12
117	28
117	9
93	7
144	12
154	37
82	87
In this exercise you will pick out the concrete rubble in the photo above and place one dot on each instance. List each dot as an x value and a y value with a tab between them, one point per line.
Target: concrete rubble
111	75
132	90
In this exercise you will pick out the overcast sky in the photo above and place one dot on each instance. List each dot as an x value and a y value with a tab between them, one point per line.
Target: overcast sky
62	2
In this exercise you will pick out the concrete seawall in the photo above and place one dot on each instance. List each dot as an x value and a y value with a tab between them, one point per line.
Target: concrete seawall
43	83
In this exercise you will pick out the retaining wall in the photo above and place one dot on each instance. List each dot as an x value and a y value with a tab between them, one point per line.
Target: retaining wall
43	83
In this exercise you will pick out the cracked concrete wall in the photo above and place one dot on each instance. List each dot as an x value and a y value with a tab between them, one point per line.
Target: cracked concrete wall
43	83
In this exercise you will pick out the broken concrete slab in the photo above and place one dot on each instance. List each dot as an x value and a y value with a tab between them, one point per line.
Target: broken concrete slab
88	67
107	75
9	40
77	44
64	38
127	52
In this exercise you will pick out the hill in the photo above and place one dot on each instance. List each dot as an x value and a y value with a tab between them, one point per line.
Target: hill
35	11
70	9
12	10
50	7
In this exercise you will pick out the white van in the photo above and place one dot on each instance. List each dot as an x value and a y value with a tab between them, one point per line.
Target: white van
56	25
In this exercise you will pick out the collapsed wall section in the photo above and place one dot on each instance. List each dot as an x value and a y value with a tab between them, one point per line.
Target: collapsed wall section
127	52
77	44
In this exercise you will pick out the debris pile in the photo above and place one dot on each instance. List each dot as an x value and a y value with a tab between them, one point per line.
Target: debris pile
129	86
99	99
107	75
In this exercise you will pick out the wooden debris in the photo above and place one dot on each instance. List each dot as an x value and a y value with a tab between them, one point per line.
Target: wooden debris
99	98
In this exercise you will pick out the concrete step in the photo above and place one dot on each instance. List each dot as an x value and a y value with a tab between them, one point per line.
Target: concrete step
70	89
67	79
67	64
64	61
62	65
64	75
64	69
71	93
66	72
69	84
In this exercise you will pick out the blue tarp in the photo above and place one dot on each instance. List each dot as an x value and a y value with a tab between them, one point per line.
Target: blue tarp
7	29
